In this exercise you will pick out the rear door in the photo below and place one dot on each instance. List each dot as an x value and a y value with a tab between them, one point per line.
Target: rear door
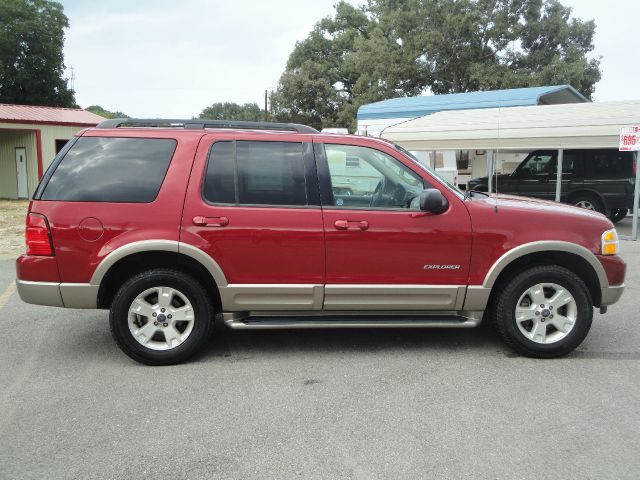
253	205
572	174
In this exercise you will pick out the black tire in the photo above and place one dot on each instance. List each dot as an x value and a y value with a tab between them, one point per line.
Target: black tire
203	315
588	201
618	214
511	291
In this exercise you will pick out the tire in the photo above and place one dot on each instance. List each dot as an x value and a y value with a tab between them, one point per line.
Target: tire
618	214
588	201
544	339
179	306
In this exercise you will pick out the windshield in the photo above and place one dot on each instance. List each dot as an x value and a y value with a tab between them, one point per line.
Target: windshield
427	168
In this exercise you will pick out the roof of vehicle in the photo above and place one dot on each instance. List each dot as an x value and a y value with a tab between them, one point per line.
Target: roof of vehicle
411	107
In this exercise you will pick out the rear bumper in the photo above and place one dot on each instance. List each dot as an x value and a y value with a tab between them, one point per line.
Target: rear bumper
52	294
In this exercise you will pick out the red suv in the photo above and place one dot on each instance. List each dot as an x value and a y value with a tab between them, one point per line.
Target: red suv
172	224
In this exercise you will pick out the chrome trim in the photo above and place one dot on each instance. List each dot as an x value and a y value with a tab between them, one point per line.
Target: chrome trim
79	295
611	294
241	297
158	245
40	293
392	297
544	246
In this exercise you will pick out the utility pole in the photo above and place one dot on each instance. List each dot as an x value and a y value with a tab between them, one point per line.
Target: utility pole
266	114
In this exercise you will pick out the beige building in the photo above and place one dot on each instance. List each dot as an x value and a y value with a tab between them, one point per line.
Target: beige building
30	137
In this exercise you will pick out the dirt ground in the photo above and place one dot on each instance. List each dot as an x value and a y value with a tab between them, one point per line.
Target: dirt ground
12	217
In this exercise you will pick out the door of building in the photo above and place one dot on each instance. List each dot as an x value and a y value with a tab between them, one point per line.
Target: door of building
21	172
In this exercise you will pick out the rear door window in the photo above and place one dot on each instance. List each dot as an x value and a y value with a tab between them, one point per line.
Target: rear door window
105	169
256	173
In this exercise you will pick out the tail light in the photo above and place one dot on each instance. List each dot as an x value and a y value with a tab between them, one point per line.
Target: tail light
37	235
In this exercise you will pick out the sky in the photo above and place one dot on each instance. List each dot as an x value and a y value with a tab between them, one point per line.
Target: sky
171	59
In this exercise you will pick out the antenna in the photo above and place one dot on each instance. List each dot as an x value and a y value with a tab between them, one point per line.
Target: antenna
494	173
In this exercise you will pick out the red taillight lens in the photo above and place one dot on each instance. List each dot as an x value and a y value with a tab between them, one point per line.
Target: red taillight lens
37	235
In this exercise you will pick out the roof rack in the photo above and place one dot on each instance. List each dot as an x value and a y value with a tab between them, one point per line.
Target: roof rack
199	124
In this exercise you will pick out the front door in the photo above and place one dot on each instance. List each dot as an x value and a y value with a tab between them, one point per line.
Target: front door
253	206
533	176
382	252
21	172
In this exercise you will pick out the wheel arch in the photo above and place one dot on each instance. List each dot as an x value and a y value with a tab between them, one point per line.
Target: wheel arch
571	256
587	191
134	258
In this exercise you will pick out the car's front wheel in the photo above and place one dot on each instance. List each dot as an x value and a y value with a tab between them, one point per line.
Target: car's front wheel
544	312
161	317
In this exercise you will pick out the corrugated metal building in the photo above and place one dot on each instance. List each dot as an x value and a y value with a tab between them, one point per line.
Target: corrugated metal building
30	137
375	117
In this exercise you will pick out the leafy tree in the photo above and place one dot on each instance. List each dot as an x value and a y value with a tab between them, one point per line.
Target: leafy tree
392	48
31	60
233	111
98	110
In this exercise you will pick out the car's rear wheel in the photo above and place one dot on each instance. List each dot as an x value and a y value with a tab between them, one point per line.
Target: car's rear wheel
161	317
618	214
544	312
588	202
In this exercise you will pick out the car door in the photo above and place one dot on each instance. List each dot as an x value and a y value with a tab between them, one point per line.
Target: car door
534	174
571	174
382	252
253	206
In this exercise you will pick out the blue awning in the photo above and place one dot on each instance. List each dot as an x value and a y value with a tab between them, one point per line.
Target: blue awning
413	107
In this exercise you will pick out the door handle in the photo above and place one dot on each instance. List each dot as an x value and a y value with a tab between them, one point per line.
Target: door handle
210	221
351	225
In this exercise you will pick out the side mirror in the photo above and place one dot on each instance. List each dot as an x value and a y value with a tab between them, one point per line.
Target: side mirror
432	200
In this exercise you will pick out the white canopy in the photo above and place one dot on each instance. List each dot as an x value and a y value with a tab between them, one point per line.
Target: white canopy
577	125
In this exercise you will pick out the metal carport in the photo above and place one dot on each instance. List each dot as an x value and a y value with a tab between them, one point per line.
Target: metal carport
575	126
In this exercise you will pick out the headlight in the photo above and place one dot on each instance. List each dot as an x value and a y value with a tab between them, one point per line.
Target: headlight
610	242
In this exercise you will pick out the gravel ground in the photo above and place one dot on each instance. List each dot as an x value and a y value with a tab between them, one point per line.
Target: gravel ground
12	215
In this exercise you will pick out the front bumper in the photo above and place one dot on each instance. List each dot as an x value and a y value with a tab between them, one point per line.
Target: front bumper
611	294
53	294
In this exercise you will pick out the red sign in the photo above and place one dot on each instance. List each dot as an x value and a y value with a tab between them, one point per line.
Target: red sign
629	138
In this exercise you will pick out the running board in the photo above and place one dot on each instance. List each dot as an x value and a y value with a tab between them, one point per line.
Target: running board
245	321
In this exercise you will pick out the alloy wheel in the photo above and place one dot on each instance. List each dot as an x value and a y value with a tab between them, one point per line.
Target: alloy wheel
161	318
546	313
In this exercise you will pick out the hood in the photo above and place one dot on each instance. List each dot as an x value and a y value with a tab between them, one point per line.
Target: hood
546	206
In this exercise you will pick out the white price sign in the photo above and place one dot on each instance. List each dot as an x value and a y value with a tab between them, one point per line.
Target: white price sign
629	138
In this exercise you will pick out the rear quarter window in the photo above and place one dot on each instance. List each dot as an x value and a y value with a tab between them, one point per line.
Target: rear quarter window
105	169
610	164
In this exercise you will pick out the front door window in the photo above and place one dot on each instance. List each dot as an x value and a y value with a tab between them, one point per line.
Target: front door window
362	177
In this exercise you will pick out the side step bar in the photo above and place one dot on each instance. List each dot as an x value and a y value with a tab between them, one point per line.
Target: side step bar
264	321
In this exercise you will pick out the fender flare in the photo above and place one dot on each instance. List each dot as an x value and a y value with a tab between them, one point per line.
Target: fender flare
154	246
544	246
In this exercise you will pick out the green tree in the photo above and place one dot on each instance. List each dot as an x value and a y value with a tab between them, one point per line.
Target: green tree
233	111
31	60
98	110
392	48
